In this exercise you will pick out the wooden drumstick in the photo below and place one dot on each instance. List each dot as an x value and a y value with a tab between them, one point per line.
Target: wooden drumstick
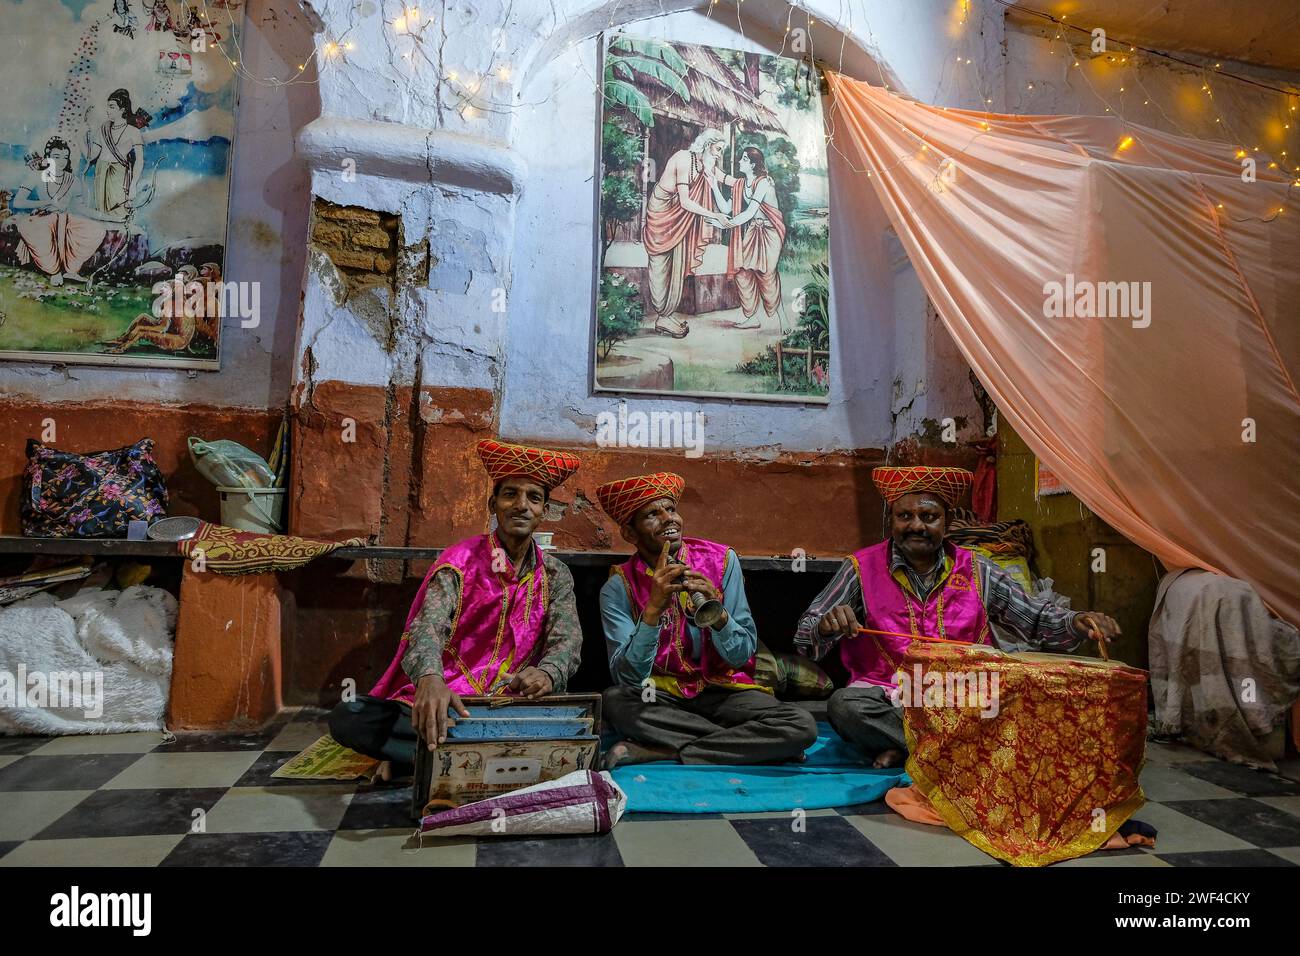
1101	642
911	637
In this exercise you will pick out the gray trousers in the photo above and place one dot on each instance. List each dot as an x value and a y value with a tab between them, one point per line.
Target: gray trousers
866	718
377	728
716	726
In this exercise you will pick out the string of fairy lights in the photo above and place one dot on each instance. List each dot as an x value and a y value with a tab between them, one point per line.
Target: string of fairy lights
419	39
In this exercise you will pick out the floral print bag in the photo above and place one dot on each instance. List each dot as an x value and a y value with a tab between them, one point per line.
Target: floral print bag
66	495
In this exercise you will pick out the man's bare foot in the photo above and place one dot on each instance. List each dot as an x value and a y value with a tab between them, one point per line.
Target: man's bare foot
384	772
888	758
630	752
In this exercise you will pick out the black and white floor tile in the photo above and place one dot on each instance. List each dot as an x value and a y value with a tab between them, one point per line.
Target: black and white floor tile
210	800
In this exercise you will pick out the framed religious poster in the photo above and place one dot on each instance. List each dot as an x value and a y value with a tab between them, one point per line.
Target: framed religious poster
115	146
714	214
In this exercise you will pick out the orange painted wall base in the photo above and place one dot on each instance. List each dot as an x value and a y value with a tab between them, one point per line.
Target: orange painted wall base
226	672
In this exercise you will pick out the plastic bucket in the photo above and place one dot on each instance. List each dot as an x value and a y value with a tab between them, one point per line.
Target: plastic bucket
252	509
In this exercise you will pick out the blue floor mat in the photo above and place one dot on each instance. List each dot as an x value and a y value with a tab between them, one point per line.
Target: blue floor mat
833	776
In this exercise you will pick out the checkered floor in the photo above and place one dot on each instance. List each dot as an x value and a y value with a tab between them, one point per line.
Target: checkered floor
133	799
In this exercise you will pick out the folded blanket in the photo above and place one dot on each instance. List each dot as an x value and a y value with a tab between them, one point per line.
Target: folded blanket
1224	671
1013	538
230	551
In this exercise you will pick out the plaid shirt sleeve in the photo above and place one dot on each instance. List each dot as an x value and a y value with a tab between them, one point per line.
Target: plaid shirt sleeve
562	650
1040	625
844	588
432	626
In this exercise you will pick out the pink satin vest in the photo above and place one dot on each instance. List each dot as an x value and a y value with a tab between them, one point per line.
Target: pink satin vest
674	670
498	626
954	611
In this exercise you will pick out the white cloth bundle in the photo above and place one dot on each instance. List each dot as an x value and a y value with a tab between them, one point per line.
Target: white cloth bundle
580	802
123	640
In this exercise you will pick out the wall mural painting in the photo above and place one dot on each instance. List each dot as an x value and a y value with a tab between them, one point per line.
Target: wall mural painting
115	134
714	224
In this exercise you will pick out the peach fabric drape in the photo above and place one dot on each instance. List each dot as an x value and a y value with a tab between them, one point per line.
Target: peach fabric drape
1147	418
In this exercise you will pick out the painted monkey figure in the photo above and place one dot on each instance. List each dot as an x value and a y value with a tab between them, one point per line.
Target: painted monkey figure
178	325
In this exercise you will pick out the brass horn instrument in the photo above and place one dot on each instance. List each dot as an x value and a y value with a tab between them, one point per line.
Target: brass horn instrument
705	612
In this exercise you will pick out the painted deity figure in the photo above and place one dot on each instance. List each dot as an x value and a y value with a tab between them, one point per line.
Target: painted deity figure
160	17
126	20
51	236
754	251
680	220
117	150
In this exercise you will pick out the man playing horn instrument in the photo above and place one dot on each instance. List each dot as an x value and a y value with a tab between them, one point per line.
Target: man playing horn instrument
684	678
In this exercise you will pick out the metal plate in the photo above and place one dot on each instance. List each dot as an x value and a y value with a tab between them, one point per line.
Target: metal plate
174	529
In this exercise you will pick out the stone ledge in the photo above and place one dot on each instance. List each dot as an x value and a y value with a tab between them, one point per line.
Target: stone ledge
411	154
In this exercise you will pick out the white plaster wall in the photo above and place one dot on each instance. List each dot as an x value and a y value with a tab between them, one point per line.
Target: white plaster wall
265	244
449	326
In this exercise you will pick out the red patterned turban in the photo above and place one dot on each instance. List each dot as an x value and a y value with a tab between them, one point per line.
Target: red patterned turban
946	483
547	468
622	498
